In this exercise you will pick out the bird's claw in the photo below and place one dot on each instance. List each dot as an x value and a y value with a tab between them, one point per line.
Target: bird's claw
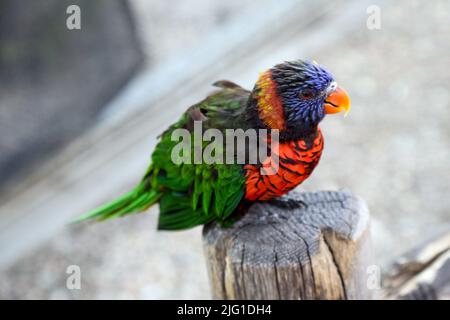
289	203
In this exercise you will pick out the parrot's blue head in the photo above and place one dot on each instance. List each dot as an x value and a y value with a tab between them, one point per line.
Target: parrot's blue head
295	96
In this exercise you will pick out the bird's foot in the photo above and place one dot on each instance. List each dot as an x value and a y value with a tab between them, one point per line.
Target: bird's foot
288	203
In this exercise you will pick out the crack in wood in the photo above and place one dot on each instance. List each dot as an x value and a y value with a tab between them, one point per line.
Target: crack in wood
285	254
336	265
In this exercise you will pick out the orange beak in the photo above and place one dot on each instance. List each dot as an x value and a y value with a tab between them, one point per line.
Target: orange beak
337	101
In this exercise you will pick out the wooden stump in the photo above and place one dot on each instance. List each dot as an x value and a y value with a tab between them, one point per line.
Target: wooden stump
318	251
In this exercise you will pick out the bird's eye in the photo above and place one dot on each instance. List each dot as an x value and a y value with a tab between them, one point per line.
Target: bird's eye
333	86
306	94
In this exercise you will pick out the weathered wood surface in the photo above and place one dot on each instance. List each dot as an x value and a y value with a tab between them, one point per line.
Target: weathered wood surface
317	251
423	273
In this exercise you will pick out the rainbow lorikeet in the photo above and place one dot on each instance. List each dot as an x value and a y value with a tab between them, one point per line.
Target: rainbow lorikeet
292	97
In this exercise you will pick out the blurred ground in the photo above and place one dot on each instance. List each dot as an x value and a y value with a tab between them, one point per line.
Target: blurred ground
392	150
53	79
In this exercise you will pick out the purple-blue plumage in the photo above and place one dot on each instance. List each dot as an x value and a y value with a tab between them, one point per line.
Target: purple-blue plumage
303	87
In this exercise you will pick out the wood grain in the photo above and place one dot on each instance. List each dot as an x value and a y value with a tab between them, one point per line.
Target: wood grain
317	251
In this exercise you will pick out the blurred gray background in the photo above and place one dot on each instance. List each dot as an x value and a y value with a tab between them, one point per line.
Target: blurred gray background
80	111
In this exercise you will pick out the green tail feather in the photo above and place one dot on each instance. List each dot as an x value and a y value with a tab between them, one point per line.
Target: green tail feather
136	200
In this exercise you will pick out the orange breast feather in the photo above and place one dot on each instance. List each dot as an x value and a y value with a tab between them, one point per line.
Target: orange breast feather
296	163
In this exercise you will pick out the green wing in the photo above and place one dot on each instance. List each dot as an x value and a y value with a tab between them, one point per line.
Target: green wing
189	194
